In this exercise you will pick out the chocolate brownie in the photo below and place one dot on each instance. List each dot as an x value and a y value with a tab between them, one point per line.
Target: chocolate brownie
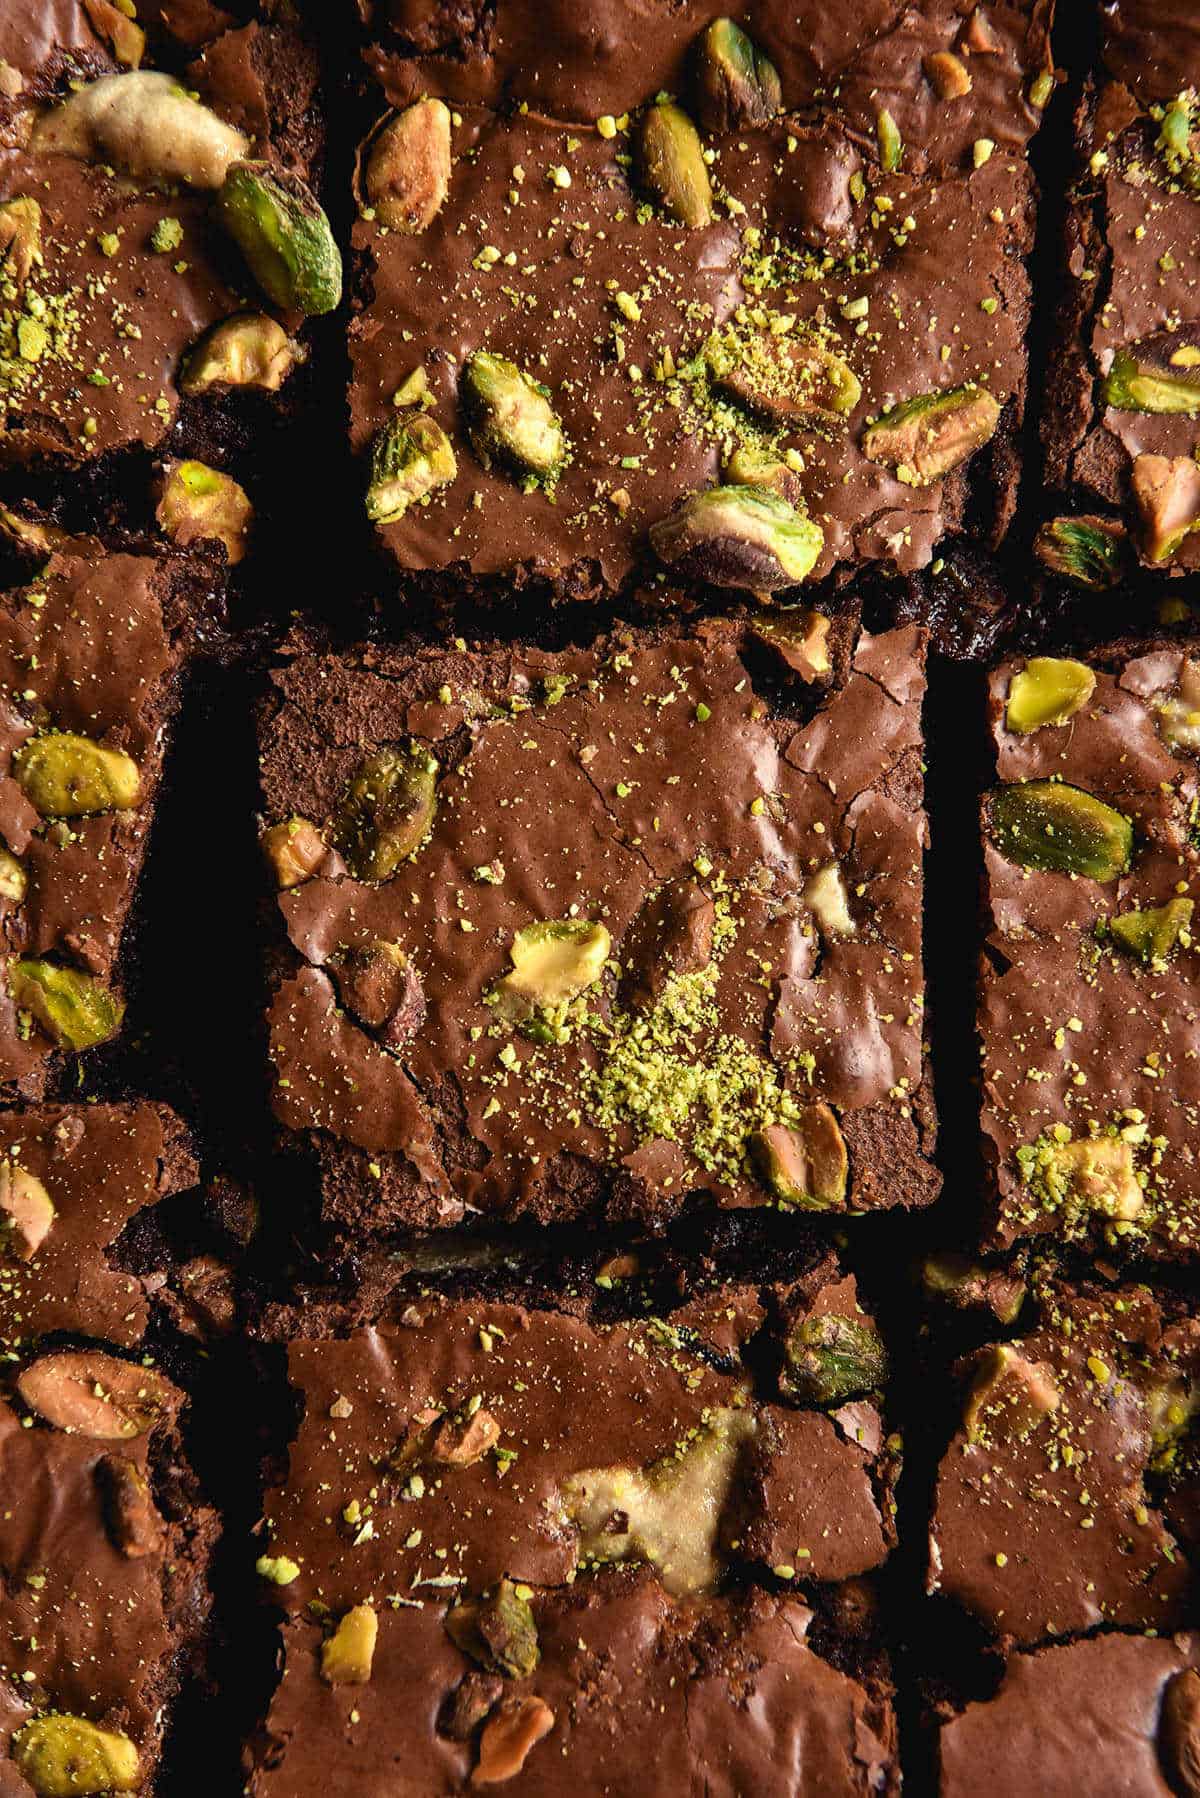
566	334
1087	1016
104	1544
468	1478
1069	1494
1118	1712
604	930
90	654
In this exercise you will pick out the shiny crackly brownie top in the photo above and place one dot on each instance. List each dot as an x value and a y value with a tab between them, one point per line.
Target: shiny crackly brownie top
607	918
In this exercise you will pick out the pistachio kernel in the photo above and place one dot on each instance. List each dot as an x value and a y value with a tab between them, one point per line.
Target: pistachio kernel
1152	934
737	86
284	236
826	897
380	985
1086	549
947	74
1059	829
925	437
498	1632
295	849
750	466
26	1211
407	175
75	1010
1095	1173
145	124
512	1730
67	776
348	1654
1178	715
673	166
20	238
387	811
13	879
966	1284
799	638
200	504
831	1358
120	28
553	962
1048	690
248	350
806	1163
130	1513
411	459
68	1757
1009	1396
1166	492
786	379
510	418
1147	377
86	1393
738	537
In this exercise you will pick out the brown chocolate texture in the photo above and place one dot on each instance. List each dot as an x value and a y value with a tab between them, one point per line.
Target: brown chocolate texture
626	786
1081	1039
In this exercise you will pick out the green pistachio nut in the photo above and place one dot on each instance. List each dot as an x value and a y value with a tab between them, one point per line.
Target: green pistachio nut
387	811
1090	1173
75	1010
738	537
511	420
805	1163
498	1632
1154	377
925	437
1166	493
146	124
1172	1405
553	962
832	1358
407	173
737	87
411	459
1179	138
248	350
284	236
201	504
69	1757
751	466
1152	934
1087	549
67	776
1048	690
20	238
347	1656
12	877
891	144
786	379
1009	1396
672	165
1059	829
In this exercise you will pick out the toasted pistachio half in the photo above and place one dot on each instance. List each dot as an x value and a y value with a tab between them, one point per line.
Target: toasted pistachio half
1152	934
1009	1396
1059	829
146	124
68	776
673	166
411	459
284	236
387	810
199	503
511	420
1087	549
26	1211
806	1163
295	849
925	437
1166	492
736	85
12	877
1094	1172
348	1654
20	238
1143	378
966	1284
512	1731
1179	1732
68	1757
75	1010
251	349
407	173
830	1358
785	378
1048	690
498	1632
738	537
87	1393
553	962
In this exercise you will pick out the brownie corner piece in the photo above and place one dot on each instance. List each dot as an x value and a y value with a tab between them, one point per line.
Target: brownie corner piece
603	931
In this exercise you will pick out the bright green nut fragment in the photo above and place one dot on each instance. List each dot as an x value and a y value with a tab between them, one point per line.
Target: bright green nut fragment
1059	829
750	466
1151	935
891	144
69	1757
1136	383
76	1011
830	1358
12	877
806	1163
673	166
553	962
284	236
925	437
1048	690
67	776
1178	140
498	1632
1087	549
738	537
511	420
412	458
251	349
281	1570
736	85
387	811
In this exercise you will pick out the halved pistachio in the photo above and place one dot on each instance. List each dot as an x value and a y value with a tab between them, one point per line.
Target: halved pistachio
12	877
200	503
1166	492
830	1358
1009	1396
407	174
251	349
68	776
75	1010
510	418
1087	549
118	24
295	849
947	74
806	1163
348	1654
750	466
1096	1172
1179	1732
498	1632
86	1393
511	1732
145	124
411	459
380	985
801	638
826	897
925	437
20	238
891	144
1178	715
673	166
785	378
1048	690
387	810
965	1284
738	537
553	962
284	236
26	1211
69	1757
736	85
1060	829
1150	935
1143	379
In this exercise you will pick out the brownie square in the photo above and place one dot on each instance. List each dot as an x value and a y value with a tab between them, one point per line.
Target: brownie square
1087	1013
714	861
1069	1495
104	1545
468	1479
90	654
71	1178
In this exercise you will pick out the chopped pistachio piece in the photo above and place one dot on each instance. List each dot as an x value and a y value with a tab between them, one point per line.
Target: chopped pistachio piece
145	124
947	74
68	1757
736	85
1092	1173
295	849
1178	716
248	350
952	1277
411	459
1141	379
498	1632
115	20
925	437
387	811
891	144
284	236
1087	549
1178	139
75	1010
1060	829
673	166
804	1164
510	418
67	776
1166	492
1152	934
20	238
1009	1396
26	1211
750	466
831	1358
199	503
347	1655
1048	690
826	897
783	378
553	962
801	638
1172	1405
12	877
512	1731
407	174
738	537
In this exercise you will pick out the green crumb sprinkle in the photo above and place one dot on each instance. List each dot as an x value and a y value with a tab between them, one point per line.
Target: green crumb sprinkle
281	1570
166	236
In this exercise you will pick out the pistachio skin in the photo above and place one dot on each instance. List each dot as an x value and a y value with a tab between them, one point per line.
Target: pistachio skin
284	236
1059	829
1087	549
